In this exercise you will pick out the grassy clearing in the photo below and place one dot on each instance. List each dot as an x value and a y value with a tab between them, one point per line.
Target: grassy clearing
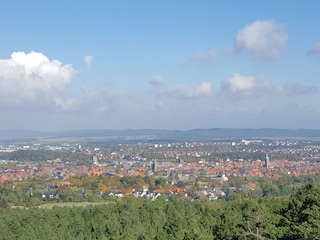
71	204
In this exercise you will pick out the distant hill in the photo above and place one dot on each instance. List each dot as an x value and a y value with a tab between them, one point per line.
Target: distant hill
162	134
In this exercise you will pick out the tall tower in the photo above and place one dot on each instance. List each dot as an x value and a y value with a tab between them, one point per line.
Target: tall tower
154	166
95	160
267	161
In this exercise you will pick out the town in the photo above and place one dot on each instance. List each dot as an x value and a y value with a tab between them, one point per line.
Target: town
175	167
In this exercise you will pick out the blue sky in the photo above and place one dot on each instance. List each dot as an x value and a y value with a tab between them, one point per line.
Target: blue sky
159	64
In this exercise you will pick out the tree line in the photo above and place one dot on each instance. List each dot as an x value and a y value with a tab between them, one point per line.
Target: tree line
294	217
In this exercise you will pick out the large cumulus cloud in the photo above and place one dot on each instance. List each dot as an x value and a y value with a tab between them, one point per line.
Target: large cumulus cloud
32	77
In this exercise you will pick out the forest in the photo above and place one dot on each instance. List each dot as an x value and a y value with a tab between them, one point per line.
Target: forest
293	217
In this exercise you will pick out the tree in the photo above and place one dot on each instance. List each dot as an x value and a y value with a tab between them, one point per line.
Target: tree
302	216
160	181
3	203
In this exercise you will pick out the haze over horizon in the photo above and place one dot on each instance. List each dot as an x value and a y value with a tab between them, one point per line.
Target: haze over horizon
159	65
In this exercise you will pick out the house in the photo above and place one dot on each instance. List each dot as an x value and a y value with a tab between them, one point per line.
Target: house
50	195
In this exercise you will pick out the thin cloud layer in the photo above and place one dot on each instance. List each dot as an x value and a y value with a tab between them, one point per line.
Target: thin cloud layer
157	80
295	89
31	77
264	39
68	104
315	49
204	57
247	86
203	90
88	60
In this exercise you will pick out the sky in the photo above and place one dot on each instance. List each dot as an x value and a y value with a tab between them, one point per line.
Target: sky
159	64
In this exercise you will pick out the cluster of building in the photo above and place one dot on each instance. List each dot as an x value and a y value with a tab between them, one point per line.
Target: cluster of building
174	160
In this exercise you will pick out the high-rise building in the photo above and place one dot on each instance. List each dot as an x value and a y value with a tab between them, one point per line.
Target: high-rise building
154	166
267	161
95	160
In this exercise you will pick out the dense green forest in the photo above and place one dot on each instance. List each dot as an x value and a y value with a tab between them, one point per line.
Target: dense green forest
44	155
294	217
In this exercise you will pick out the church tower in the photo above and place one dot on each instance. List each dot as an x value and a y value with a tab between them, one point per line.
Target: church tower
154	166
267	161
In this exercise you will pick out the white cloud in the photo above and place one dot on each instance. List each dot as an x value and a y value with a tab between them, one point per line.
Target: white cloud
315	49
244	86
265	39
203	90
248	86
31	77
157	80
88	60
